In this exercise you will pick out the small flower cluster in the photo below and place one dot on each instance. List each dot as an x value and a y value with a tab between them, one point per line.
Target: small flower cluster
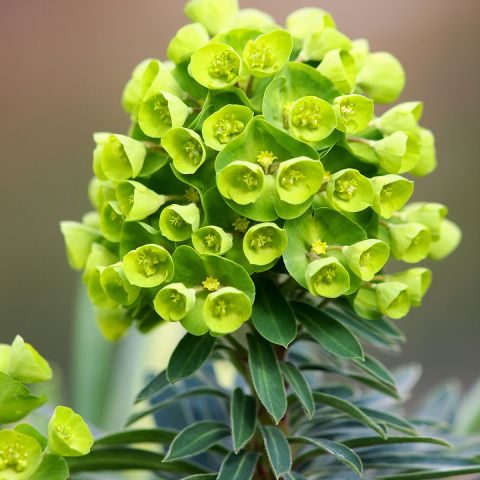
255	148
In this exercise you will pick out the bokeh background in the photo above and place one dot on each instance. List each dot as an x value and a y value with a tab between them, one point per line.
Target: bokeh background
63	65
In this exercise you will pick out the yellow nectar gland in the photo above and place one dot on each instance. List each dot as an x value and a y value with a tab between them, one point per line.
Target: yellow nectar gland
318	247
176	220
192	195
260	57
307	114
175	297
261	241
291	177
387	192
13	456
241	224
194	151
148	262
224	65
228	127
210	240
211	284
265	159
327	276
346	187
250	180
220	308
365	257
161	107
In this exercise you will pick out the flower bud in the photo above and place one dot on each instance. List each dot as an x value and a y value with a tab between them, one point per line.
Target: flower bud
186	149
215	66
428	156
365	303
267	54
241	182
186	41
392	299
68	434
327	277
340	68
226	309
212	239
298	179
303	21
354	113
349	190
148	266
78	242
111	221
116	285
264	243
214	15
252	18
113	323
178	222
226	124
20	455
391	193
366	258
417	280
448	240
312	119
173	302
430	214
404	116
320	41
397	153
382	77
410	242
136	201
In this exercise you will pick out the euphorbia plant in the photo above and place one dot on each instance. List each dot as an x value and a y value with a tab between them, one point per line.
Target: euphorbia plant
256	201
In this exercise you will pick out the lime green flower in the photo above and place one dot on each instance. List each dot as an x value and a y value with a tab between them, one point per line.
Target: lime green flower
215	66
95	291
391	193
354	113
448	240
78	242
367	257
226	124
4	356
320	41
173	302
302	22
340	68
360	51
327	277
226	309
410	242
349	190
111	221
417	280
178	222
136	201
365	303
113	323
26	365
68	434
298	179
186	41
186	149
116	285
212	239
20	455
148	266
430	214
404	116
264	243
428	156
214	15
100	256
393	299
398	153
268	53
312	119
241	182
253	18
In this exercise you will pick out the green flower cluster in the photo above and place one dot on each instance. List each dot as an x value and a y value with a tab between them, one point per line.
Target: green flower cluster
255	148
24	452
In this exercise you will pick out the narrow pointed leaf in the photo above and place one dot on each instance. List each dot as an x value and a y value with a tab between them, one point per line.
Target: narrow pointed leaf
374	367
154	387
300	386
238	467
152	435
278	450
392	421
426	475
373	441
243	418
202	476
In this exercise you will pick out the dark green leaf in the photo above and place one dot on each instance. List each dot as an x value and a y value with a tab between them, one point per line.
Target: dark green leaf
278	450
374	367
202	476
153	435
426	475
300	386
372	441
154	387
266	376
243	418
52	467
238	467
390	420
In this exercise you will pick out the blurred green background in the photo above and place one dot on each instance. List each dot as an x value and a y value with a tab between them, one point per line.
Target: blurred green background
63	65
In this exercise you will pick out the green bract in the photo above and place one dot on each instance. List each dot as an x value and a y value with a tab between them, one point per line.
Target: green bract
113	323
212	239
366	258
4	357
186	149
178	222
398	153
404	116
321	40
116	285
354	112
393	299
340	68
186	41
253	18
410	242
448	240
349	190
391	193
241	182
264	243
79	239
417	280
174	301
429	214
136	201
327	277
428	157
212	14
68	434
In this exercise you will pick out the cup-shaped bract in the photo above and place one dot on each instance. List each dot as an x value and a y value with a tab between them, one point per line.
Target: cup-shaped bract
354	112
327	277
417	280
68	434
303	21
226	309
174	301
360	51
100	256
349	190
26	365
404	117
178	222
410	242
113	323
312	119
397	153
264	243
367	257
212	239
78	242
186	149
226	124
268	53
186	41
340	68
428	155
215	66
382	77
214	15
136	201
116	285
320	41
148	266
4	356
252	18
365	303
241	182
95	291
111	221
448	240
430	214
391	193
20	455
393	299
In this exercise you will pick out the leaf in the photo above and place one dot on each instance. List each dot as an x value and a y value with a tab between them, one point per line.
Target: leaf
189	355
278	450
350	409
443	403
196	438
266	376
152	435
390	420
342	453
328	332
243	418
201	476
52	467
272	316
238	467
373	441
374	367
154	387
300	386
468	414
426	475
